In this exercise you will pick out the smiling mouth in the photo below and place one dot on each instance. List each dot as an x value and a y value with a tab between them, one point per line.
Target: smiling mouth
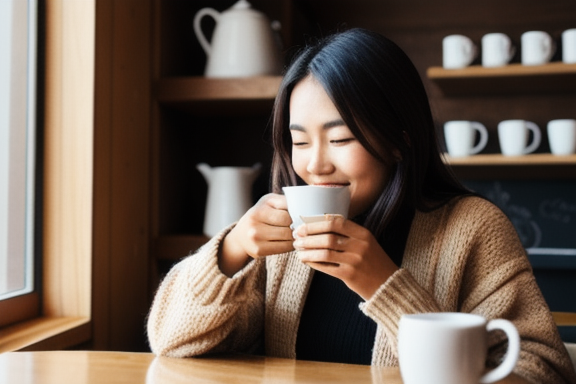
331	185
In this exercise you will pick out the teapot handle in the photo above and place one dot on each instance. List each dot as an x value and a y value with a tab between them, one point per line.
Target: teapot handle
198	28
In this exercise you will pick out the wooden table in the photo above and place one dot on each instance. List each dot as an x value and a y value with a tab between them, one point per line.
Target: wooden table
76	367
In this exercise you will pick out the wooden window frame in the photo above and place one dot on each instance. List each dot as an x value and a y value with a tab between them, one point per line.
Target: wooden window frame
65	318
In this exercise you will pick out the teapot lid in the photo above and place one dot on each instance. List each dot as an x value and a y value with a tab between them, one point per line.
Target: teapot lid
241	4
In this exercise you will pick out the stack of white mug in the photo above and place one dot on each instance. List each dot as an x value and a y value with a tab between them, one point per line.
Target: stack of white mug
538	47
513	137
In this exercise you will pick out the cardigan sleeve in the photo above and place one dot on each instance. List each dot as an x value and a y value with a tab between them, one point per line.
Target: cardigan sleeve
467	257
198	310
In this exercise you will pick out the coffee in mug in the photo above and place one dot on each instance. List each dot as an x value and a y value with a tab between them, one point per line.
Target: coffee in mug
458	51
537	48
562	136
513	137
497	50
452	348
569	46
309	201
460	137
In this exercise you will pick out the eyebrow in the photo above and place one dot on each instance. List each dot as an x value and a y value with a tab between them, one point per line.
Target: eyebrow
327	125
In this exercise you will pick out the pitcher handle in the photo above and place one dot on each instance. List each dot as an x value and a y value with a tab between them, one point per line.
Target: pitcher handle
198	27
512	353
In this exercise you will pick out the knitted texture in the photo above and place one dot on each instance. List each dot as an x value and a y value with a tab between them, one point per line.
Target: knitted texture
462	257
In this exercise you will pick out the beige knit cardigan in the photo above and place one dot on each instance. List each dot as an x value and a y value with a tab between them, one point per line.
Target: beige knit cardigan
462	257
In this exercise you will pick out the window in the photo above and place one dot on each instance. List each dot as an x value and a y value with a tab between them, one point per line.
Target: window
18	35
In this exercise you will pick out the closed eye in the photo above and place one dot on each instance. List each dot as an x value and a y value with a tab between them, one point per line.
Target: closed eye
341	141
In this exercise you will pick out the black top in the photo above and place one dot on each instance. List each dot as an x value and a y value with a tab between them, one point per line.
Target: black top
332	327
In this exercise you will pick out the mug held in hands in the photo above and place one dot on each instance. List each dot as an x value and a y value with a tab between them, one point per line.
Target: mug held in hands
316	201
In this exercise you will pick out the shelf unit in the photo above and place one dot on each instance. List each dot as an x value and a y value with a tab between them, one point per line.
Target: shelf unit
220	121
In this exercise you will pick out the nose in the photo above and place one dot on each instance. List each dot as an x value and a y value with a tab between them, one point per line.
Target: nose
320	162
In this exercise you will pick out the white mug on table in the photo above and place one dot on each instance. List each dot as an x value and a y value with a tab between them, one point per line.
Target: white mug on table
537	48
513	137
569	46
562	136
451	348
458	51
460	137
497	50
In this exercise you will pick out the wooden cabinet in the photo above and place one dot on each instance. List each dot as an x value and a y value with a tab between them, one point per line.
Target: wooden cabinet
225	122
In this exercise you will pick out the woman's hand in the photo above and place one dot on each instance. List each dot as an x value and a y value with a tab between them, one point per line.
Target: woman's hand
263	230
347	251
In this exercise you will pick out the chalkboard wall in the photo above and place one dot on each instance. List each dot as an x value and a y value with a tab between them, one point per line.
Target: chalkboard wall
544	215
543	212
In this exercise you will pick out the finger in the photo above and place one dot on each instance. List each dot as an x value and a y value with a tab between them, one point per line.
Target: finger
331	224
329	241
276	201
268	248
321	256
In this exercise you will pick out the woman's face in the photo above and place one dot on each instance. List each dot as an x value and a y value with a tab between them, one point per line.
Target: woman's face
325	152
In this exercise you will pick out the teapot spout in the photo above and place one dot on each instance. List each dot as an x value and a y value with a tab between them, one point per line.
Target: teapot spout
205	170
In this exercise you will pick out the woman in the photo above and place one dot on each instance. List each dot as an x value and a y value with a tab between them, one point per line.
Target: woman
352	111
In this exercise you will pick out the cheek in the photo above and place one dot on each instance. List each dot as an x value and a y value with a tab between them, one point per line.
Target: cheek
299	162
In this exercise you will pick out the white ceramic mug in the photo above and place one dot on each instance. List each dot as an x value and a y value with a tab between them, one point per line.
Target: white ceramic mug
451	348
458	51
562	136
460	137
313	201
497	50
537	48
569	46
513	137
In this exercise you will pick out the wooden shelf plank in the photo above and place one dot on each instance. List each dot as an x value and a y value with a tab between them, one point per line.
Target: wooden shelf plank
537	159
554	77
207	96
201	89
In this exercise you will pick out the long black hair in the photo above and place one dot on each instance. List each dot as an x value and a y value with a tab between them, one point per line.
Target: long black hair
380	96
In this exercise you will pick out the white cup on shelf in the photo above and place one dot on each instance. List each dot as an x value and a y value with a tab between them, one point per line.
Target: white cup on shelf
497	50
458	51
460	137
537	48
513	136
569	46
562	136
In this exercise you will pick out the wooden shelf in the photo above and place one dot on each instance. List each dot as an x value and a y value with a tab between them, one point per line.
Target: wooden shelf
175	247
208	96
511	79
537	159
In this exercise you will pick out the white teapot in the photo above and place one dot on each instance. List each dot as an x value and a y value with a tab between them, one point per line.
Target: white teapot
243	43
229	194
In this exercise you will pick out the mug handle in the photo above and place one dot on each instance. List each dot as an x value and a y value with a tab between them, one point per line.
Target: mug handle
549	47
510	48
535	140
506	367
471	51
483	137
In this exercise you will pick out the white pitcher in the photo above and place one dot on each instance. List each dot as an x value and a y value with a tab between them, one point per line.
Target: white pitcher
229	194
243	43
